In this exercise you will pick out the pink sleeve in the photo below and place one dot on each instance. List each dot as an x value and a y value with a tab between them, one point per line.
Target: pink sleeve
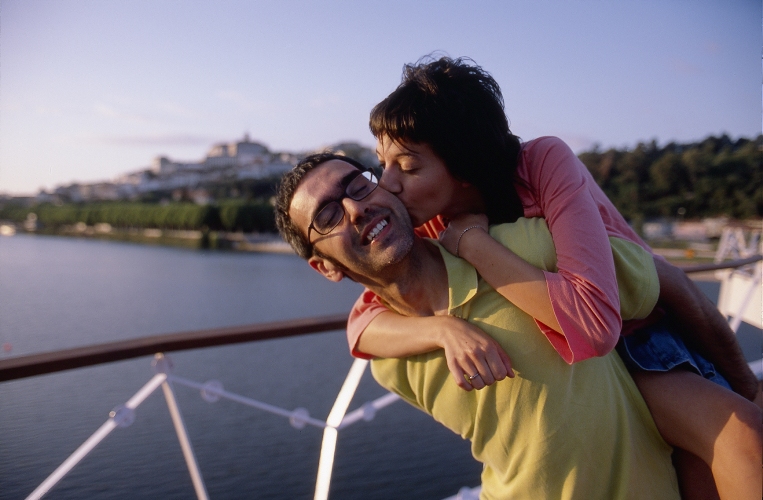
366	308
583	293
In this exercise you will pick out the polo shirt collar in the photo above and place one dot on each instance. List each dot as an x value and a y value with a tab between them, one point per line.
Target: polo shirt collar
462	280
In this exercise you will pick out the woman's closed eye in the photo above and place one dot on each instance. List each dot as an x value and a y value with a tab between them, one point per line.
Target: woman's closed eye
408	165
402	167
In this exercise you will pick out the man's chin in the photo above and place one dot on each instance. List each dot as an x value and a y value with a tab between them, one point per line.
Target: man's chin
397	253
379	259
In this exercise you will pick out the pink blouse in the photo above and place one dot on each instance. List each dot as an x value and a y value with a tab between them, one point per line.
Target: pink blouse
580	217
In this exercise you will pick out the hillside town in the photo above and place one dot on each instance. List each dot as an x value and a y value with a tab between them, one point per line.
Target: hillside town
679	192
225	162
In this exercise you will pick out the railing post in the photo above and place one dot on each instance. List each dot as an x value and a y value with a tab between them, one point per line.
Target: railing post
162	364
328	446
738	315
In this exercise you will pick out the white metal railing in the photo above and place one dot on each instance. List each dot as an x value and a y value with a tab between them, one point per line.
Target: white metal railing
212	391
740	298
120	417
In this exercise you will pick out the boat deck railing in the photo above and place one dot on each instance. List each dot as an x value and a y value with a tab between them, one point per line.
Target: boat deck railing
734	303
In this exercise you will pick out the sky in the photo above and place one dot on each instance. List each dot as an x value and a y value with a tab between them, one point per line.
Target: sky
90	90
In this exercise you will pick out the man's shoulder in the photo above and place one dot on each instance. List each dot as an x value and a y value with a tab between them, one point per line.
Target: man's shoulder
530	239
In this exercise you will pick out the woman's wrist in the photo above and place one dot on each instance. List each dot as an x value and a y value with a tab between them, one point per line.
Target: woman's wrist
469	240
460	236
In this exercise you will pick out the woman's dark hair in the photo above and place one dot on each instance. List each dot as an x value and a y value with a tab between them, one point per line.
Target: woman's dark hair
456	108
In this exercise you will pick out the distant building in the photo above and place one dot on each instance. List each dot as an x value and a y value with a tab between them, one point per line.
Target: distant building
241	154
238	160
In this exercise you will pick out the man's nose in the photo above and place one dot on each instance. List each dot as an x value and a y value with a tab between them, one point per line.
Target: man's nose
354	210
390	181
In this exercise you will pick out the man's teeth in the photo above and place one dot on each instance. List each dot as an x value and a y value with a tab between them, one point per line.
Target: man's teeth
375	231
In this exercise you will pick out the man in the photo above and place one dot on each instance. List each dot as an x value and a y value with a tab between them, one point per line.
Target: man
554	430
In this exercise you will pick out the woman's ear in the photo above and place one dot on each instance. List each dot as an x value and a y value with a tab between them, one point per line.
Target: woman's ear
328	269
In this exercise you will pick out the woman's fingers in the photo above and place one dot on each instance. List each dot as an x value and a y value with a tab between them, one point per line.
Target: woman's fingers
474	359
469	375
462	380
477	381
496	366
505	363
478	375
485	375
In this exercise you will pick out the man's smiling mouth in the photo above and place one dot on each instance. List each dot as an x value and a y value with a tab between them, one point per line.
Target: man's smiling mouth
375	231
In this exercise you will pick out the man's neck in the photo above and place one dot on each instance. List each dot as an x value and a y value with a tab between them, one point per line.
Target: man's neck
419	286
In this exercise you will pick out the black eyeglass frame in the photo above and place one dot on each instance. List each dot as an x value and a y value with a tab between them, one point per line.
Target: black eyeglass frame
372	179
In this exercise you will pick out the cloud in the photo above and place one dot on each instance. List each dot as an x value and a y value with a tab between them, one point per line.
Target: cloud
11	106
174	109
159	112
712	47
44	110
153	140
240	100
108	111
324	102
684	67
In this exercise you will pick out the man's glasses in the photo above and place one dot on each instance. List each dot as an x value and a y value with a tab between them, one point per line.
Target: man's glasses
359	185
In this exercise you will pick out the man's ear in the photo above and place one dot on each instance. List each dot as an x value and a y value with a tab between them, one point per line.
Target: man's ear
328	269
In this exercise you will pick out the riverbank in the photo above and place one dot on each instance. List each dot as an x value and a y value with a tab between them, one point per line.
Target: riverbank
680	253
212	240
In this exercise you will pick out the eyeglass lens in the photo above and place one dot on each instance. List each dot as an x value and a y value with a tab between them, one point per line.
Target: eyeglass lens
331	215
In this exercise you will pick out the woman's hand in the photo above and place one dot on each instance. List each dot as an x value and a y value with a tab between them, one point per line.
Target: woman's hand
470	351
459	230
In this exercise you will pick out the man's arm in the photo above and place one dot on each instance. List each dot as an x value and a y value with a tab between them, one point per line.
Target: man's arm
704	328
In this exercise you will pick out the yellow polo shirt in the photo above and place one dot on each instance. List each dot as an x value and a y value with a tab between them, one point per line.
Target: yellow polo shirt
555	431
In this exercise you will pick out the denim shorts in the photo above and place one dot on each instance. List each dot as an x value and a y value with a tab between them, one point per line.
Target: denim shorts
658	348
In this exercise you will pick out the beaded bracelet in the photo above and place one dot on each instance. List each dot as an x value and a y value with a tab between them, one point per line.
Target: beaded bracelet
458	242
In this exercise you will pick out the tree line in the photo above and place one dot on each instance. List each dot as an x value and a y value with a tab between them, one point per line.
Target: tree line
714	177
227	215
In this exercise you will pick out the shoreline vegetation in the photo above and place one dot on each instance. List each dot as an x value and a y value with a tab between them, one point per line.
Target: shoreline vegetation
192	239
661	191
677	251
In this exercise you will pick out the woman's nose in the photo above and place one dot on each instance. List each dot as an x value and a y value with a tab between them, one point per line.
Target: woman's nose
390	181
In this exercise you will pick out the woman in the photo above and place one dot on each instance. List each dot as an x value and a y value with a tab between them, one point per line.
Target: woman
447	152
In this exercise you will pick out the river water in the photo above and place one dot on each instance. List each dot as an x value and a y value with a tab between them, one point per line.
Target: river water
58	293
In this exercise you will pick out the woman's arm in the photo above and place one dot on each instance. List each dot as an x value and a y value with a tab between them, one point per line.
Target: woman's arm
521	283
577	307
580	217
374	331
